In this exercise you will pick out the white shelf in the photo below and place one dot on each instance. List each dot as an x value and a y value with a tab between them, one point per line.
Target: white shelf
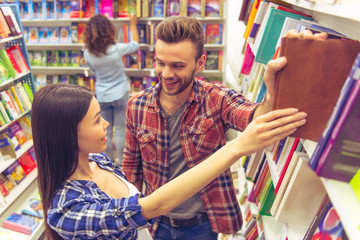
8	39
347	11
60	70
346	205
8	124
296	232
24	148
11	80
272	229
19	189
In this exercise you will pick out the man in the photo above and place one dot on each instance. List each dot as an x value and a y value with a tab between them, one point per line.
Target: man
181	121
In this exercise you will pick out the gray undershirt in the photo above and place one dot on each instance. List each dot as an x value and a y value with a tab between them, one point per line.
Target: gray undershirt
193	206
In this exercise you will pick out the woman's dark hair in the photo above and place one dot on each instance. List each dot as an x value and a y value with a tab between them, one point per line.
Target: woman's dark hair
56	112
99	34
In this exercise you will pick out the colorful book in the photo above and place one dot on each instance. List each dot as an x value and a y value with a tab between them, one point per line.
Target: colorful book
173	7
34	208
15	173
194	8
272	32
212	60
21	223
213	33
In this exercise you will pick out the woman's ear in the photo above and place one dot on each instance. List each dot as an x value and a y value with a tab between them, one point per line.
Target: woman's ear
200	64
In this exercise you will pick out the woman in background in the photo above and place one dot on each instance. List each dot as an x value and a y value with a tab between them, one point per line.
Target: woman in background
104	56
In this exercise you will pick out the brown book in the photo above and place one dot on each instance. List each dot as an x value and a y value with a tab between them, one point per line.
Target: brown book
312	79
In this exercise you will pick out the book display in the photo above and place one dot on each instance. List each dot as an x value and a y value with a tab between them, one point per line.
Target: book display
305	186
53	32
18	173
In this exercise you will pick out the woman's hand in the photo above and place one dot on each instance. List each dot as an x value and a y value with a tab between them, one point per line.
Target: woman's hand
270	128
133	19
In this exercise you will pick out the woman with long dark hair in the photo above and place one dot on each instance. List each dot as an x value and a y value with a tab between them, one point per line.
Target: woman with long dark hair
104	56
86	196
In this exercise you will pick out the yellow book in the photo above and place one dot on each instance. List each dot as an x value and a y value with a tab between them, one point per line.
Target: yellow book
355	184
17	100
252	16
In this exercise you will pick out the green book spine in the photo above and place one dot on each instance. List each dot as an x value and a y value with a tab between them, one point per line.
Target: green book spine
8	65
28	91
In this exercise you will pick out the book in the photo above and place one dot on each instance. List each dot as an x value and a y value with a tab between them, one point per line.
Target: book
285	182
302	197
34	208
33	35
7	63
27	163
272	30
355	184
286	164
17	131
330	226
6	183
194	8
324	206
15	173
340	157
303	84
80	31
107	8
5	30
21	223
157	8
214	8
17	55
213	33
173	7
212	60
54	35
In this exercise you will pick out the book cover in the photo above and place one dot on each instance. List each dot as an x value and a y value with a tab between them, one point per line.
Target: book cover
27	163
5	30
330	226
80	31
173	7
213	33
286	164
213	8
54	35
107	8
212	60
65	35
340	157
7	184
6	148
123	9
9	21
312	79
34	208
158	8
194	8
19	58
302	197
17	131
74	9
15	173
272	32
21	223
33	35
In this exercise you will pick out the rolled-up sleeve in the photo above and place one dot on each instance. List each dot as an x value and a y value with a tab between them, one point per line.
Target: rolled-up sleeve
128	48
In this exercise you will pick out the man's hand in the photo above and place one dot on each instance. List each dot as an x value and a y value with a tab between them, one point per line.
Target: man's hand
276	65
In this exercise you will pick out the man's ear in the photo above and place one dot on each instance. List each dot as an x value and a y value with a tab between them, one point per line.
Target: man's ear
200	64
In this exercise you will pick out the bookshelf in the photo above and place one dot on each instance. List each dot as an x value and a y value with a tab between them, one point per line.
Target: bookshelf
344	18
22	191
118	22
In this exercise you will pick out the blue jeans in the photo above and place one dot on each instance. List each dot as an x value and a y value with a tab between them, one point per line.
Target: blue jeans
197	232
115	113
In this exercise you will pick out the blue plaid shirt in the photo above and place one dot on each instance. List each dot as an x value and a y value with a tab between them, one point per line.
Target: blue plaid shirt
81	210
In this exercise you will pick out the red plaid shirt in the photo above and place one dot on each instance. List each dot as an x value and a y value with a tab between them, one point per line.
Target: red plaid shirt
209	112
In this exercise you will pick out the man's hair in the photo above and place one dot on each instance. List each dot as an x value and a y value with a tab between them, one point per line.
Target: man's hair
99	34
175	29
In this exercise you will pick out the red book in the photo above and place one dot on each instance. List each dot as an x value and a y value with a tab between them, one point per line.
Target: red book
293	148
27	163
